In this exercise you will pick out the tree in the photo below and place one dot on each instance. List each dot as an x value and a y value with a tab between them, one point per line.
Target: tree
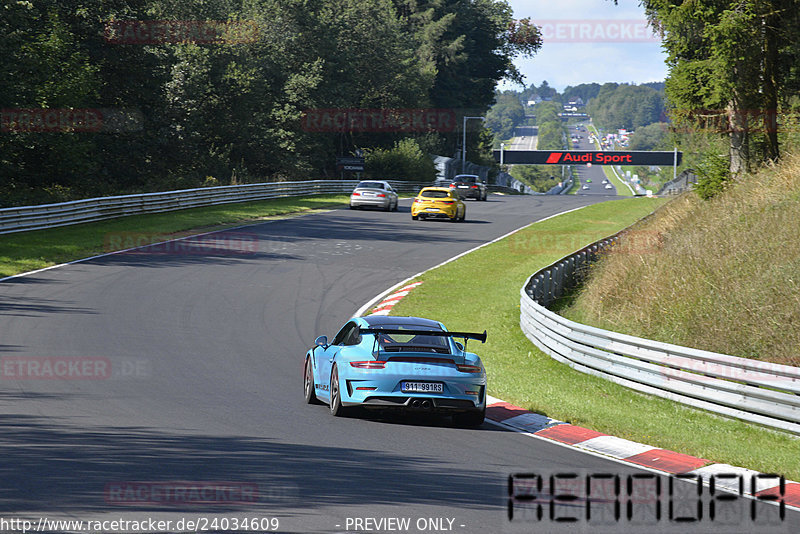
584	91
506	114
650	137
625	106
729	59
404	161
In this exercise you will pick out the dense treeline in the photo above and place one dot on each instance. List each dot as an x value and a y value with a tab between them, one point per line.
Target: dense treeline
227	105
506	114
734	71
552	131
625	106
584	91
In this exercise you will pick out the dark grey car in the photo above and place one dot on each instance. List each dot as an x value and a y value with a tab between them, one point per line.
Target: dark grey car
470	186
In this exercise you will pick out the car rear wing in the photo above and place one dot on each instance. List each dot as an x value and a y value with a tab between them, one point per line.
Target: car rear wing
438	333
419	332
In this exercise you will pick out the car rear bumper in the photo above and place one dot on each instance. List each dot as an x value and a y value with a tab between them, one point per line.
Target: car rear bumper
445	212
422	403
469	193
459	395
370	202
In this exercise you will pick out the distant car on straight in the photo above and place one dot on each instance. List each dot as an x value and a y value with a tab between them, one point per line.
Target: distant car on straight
438	202
470	186
407	364
609	186
374	194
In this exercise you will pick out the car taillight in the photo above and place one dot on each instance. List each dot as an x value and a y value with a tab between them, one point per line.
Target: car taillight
447	201
380	195
474	187
417	200
468	368
452	185
368	365
356	194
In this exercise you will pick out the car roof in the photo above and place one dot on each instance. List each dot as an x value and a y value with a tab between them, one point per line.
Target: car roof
373	182
447	189
379	320
470	175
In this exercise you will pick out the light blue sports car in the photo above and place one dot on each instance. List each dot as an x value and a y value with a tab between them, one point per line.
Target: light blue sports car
401	363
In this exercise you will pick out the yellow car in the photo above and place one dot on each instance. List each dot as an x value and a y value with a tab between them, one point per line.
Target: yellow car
438	202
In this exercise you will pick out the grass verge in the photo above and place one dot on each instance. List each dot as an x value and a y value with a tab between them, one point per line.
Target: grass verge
576	183
730	265
521	374
27	251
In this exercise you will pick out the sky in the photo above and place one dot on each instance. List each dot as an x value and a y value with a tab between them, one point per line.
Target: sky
589	41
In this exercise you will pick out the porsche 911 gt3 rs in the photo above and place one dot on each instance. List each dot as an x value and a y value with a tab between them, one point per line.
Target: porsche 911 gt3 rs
400	363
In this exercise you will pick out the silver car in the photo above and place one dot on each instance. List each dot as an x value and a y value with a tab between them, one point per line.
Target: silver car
374	194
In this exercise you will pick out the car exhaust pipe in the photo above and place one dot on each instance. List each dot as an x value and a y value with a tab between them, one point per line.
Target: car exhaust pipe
415	403
426	405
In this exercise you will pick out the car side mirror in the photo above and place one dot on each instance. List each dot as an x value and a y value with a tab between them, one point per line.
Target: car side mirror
459	345
322	341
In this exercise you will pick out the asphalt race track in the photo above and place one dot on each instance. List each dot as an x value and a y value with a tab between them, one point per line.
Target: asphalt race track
595	173
204	343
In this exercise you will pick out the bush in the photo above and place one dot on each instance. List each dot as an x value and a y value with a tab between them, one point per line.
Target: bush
713	176
551	136
404	161
540	178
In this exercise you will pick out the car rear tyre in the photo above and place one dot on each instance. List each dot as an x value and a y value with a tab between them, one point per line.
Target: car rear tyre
308	384
414	217
337	410
463	215
470	419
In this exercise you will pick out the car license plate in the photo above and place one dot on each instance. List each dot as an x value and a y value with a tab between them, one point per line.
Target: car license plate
463	187
431	209
422	387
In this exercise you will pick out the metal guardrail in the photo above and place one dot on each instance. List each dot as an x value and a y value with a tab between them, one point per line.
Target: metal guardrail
752	390
683	182
25	218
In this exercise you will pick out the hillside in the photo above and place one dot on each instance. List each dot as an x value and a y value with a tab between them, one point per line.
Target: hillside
721	275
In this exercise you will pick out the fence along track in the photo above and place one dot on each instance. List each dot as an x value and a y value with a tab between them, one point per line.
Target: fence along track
751	390
25	218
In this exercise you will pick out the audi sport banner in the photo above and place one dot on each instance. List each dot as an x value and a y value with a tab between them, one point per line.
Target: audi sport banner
582	157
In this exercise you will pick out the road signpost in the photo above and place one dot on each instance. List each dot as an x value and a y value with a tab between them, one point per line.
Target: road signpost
350	164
